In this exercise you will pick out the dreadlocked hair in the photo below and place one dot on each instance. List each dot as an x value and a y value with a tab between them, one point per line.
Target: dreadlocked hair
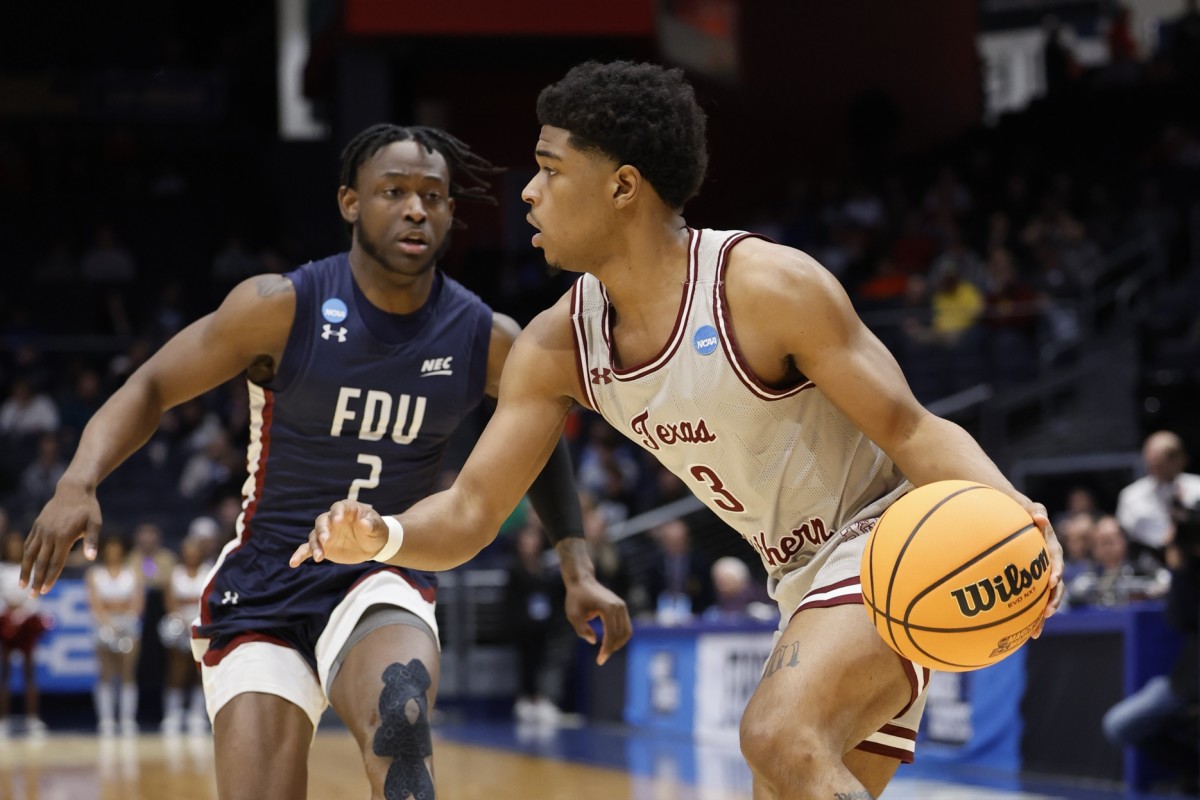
469	172
643	115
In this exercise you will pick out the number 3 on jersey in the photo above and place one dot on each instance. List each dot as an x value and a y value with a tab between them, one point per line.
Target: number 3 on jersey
724	499
369	482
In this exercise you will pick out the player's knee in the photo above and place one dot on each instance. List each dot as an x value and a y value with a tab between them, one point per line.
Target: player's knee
782	753
402	739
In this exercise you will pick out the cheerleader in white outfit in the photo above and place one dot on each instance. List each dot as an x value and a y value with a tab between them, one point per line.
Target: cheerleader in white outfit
117	601
182	601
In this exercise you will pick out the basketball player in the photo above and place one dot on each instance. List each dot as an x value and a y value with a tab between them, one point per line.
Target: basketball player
360	367
741	366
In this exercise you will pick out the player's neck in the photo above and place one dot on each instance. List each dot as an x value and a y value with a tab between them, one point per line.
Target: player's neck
388	290
650	268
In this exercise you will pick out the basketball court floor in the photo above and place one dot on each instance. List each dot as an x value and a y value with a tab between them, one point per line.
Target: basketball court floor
490	760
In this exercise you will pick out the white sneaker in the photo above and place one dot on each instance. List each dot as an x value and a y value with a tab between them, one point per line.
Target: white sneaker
525	710
172	725
4	728
129	727
35	728
546	712
107	727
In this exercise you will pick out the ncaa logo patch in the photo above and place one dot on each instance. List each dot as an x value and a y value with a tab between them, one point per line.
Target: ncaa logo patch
333	310
705	340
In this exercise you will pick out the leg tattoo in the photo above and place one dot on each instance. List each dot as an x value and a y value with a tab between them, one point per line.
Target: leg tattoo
403	733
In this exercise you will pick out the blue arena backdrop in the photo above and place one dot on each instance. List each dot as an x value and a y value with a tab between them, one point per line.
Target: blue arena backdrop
66	655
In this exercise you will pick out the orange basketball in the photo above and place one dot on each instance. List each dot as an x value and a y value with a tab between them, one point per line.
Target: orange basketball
955	576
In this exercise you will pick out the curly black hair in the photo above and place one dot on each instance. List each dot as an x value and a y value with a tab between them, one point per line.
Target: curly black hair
643	115
469	171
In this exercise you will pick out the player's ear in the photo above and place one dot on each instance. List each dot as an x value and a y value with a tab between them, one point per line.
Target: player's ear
626	185
348	204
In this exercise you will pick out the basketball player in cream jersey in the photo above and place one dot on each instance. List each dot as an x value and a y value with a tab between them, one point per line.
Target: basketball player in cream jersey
742	367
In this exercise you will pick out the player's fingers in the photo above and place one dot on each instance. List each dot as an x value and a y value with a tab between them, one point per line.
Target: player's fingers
617	631
1038	630
1055	599
91	540
300	556
42	578
579	621
320	532
33	543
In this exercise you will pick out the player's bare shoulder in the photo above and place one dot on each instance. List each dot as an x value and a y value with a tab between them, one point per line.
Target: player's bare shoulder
544	354
769	285
256	318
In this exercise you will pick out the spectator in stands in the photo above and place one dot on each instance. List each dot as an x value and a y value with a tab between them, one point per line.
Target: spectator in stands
150	559
735	594
27	412
608	471
957	306
1161	717
181	600
966	262
21	626
680	582
1081	500
1076	533
39	479
206	532
533	603
1011	317
606	556
117	600
1112	579
210	468
1144	506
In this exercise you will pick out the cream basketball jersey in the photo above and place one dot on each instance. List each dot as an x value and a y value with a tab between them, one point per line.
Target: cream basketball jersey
784	468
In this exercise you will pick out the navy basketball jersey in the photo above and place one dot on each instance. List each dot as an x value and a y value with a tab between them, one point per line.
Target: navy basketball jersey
362	405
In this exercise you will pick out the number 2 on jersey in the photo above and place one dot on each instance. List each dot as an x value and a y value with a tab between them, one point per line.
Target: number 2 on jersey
724	500
371	481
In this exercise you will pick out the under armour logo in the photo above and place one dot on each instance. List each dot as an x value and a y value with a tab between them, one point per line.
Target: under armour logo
601	375
340	333
230	599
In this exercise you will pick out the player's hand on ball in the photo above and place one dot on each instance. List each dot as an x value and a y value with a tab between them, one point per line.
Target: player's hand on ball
349	533
1057	588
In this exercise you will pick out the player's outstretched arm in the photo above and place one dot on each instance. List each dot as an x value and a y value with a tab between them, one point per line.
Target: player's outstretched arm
555	497
448	528
797	305
253	322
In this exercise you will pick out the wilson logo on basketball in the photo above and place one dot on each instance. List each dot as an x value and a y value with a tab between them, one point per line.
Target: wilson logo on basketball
981	596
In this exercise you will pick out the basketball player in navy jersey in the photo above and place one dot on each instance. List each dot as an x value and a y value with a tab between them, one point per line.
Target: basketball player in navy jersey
739	364
360	367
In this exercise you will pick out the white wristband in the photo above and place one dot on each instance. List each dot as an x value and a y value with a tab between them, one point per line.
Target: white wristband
395	539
